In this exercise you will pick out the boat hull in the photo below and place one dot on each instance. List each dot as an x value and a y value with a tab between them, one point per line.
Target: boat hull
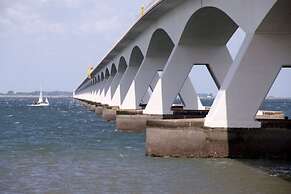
38	105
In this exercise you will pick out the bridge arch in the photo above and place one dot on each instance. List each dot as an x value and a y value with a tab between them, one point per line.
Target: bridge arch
102	76
268	50
107	74
122	65
135	60
160	44
115	86
203	41
113	70
159	50
277	21
208	25
136	57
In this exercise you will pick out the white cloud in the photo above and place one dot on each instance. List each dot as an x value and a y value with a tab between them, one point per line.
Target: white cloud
25	18
60	35
34	17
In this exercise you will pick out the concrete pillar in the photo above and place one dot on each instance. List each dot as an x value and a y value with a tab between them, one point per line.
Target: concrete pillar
135	61
90	93
115	90
249	80
100	91
144	79
190	97
178	67
158	52
107	90
125	83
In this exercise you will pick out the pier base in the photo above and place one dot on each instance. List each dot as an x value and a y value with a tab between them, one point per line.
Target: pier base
109	113
99	110
130	120
188	138
135	121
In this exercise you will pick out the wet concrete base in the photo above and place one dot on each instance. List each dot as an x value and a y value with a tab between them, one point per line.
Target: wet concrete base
133	123
109	113
99	110
91	106
188	138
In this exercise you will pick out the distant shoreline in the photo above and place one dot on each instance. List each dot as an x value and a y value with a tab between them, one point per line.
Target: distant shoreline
35	94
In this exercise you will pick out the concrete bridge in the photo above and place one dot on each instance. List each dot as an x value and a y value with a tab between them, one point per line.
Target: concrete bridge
243	43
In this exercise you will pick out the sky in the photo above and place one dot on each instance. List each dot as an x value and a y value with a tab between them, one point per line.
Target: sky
50	43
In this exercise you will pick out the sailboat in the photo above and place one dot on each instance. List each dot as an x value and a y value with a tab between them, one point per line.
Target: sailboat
40	101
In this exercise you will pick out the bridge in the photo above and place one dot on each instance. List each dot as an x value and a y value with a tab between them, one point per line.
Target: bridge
243	43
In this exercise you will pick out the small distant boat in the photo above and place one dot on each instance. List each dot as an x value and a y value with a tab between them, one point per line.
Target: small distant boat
40	101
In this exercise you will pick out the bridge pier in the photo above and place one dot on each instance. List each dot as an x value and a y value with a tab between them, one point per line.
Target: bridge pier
135	61
107	87
132	120
99	110
126	117
116	85
249	81
168	88
109	113
189	138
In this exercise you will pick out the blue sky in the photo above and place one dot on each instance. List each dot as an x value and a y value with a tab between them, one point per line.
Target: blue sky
52	42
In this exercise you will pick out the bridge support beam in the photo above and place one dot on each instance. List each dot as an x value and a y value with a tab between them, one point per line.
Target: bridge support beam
141	82
100	92
125	83
107	90
179	66
116	99
249	81
112	92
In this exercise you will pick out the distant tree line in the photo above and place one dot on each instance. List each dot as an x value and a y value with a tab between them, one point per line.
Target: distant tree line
35	93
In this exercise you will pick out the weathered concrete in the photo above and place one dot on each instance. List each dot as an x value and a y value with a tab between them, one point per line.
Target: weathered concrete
136	121
99	110
109	113
188	138
130	120
89	106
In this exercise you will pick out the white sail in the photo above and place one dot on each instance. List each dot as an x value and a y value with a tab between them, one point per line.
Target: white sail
40	99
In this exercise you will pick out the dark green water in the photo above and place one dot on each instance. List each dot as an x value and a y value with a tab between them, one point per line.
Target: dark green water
66	149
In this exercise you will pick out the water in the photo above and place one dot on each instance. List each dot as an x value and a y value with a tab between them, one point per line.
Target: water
269	104
66	149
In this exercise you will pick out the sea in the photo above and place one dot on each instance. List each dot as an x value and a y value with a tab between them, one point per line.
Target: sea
66	149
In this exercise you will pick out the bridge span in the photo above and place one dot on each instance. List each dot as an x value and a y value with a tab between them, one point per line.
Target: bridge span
243	43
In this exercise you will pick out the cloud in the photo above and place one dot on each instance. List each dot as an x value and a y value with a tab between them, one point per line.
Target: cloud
52	36
26	18
60	16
